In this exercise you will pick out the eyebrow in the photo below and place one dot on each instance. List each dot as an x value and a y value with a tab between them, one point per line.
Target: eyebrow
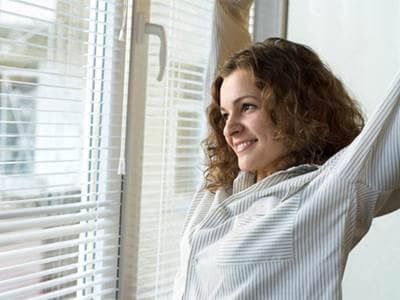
238	100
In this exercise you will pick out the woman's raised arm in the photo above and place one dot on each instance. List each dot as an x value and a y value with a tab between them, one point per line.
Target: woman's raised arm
373	158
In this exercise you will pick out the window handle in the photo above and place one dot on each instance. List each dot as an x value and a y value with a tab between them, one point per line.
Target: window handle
159	31
143	28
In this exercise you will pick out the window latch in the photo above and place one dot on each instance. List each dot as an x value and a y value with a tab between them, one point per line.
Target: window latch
143	28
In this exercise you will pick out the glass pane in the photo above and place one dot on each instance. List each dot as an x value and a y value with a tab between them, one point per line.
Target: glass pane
59	186
174	128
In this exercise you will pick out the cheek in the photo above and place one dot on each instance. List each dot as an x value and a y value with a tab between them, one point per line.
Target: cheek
229	142
267	129
226	137
225	133
270	139
262	129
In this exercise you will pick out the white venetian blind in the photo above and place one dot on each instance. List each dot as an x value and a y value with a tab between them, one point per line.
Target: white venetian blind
61	89
174	128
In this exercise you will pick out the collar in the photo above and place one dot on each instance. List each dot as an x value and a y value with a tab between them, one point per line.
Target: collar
245	180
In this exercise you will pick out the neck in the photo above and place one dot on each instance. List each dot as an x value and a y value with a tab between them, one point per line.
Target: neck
280	164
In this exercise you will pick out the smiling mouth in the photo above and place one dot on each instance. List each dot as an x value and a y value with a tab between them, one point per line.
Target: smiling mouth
245	145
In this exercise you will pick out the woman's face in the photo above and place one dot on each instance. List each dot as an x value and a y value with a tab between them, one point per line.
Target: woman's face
248	130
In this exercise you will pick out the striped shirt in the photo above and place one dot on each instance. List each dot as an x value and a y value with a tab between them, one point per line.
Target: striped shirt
288	236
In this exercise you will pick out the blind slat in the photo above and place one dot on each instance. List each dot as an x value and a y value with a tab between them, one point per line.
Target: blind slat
42	234
48	199
41	187
49	23
62	63
72	185
52	271
92	285
60	148
59	258
63	208
13	294
73	172
24	135
39	249
60	220
32	5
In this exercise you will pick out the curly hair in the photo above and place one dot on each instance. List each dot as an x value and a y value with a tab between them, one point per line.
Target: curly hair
311	111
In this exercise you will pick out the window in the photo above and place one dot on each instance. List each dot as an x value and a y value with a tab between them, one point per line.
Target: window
169	168
60	108
65	78
18	126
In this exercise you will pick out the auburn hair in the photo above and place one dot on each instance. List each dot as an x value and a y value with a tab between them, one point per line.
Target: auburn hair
312	113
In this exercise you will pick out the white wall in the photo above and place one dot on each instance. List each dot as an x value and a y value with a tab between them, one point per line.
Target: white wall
360	41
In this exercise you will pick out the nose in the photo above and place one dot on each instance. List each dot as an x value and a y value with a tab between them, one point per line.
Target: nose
232	126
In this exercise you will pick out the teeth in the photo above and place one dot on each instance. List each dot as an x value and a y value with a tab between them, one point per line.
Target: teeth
243	145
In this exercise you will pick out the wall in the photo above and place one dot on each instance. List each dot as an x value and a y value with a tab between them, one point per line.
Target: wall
360	41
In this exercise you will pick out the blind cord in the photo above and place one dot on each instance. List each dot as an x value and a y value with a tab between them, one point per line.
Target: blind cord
122	31
122	162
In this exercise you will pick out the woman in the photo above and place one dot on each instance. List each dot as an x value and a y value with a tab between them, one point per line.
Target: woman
291	184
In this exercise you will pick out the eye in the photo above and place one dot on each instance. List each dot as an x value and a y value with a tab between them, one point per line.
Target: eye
224	115
248	107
